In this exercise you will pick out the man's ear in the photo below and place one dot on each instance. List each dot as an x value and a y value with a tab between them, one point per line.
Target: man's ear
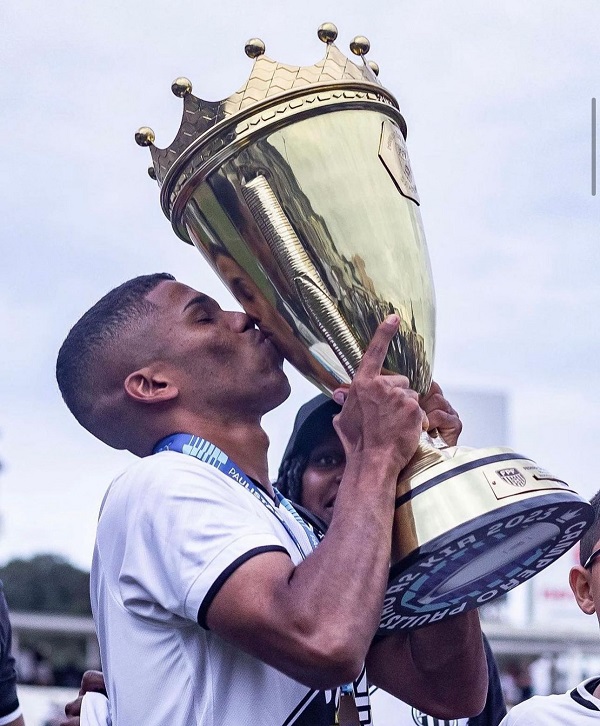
147	385
580	582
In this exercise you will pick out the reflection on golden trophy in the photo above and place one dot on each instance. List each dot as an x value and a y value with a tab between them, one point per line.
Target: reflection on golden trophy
299	191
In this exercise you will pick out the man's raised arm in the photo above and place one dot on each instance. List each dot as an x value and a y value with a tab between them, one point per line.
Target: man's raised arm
315	621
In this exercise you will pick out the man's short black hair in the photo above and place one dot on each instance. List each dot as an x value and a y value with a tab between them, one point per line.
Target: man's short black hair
589	539
97	328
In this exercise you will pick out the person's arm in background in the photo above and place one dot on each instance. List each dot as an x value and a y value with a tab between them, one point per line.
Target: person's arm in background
441	415
449	653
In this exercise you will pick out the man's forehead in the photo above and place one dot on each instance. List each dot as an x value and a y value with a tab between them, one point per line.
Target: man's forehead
170	293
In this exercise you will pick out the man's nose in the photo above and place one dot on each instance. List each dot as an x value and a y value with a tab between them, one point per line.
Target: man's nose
239	322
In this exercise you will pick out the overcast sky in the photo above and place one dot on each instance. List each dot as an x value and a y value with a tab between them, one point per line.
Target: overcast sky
497	97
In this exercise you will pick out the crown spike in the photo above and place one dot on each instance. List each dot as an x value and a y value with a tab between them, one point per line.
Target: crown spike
360	45
181	86
254	48
373	66
144	136
270	84
327	33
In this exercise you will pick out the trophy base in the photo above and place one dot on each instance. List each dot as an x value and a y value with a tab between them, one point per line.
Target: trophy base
488	520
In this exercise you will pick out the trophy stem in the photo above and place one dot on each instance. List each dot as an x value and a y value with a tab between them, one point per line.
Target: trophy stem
427	455
424	458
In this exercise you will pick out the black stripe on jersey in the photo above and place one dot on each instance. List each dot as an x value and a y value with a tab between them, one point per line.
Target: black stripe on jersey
591	687
317	708
300	707
227	572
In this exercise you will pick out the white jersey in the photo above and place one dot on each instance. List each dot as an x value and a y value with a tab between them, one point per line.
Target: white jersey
577	706
172	529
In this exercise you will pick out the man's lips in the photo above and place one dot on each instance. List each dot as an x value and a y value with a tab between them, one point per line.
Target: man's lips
263	337
256	335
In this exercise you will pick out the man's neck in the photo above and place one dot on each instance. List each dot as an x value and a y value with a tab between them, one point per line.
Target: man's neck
246	443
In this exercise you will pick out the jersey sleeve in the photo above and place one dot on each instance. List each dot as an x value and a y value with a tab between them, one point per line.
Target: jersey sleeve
188	528
9	703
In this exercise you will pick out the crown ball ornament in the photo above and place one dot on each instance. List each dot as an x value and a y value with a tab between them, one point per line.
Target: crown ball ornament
327	33
181	86
144	136
152	173
373	66
360	45
299	192
254	48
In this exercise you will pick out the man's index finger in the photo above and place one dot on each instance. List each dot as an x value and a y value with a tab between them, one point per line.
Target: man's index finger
374	356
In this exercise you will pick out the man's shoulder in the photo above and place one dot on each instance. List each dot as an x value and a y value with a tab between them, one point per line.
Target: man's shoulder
161	476
164	465
170	475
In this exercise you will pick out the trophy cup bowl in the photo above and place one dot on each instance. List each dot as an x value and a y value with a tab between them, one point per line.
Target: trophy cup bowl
298	191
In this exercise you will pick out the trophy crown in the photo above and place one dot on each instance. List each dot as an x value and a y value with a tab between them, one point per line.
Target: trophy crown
268	78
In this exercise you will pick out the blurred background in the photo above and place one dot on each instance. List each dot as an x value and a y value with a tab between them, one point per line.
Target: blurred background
497	98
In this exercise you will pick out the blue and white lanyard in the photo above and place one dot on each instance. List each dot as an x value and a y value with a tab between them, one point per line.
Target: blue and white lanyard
210	454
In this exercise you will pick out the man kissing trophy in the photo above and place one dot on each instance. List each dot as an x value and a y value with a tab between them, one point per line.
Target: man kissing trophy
299	192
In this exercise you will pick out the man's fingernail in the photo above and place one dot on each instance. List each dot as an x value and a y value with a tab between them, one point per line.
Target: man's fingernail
339	397
392	319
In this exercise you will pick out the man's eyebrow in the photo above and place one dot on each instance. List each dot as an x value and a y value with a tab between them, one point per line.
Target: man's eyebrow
196	300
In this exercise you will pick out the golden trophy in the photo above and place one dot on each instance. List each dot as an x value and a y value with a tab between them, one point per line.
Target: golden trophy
299	192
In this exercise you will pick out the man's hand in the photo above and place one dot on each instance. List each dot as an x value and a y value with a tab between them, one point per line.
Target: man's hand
91	681
380	413
441	415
